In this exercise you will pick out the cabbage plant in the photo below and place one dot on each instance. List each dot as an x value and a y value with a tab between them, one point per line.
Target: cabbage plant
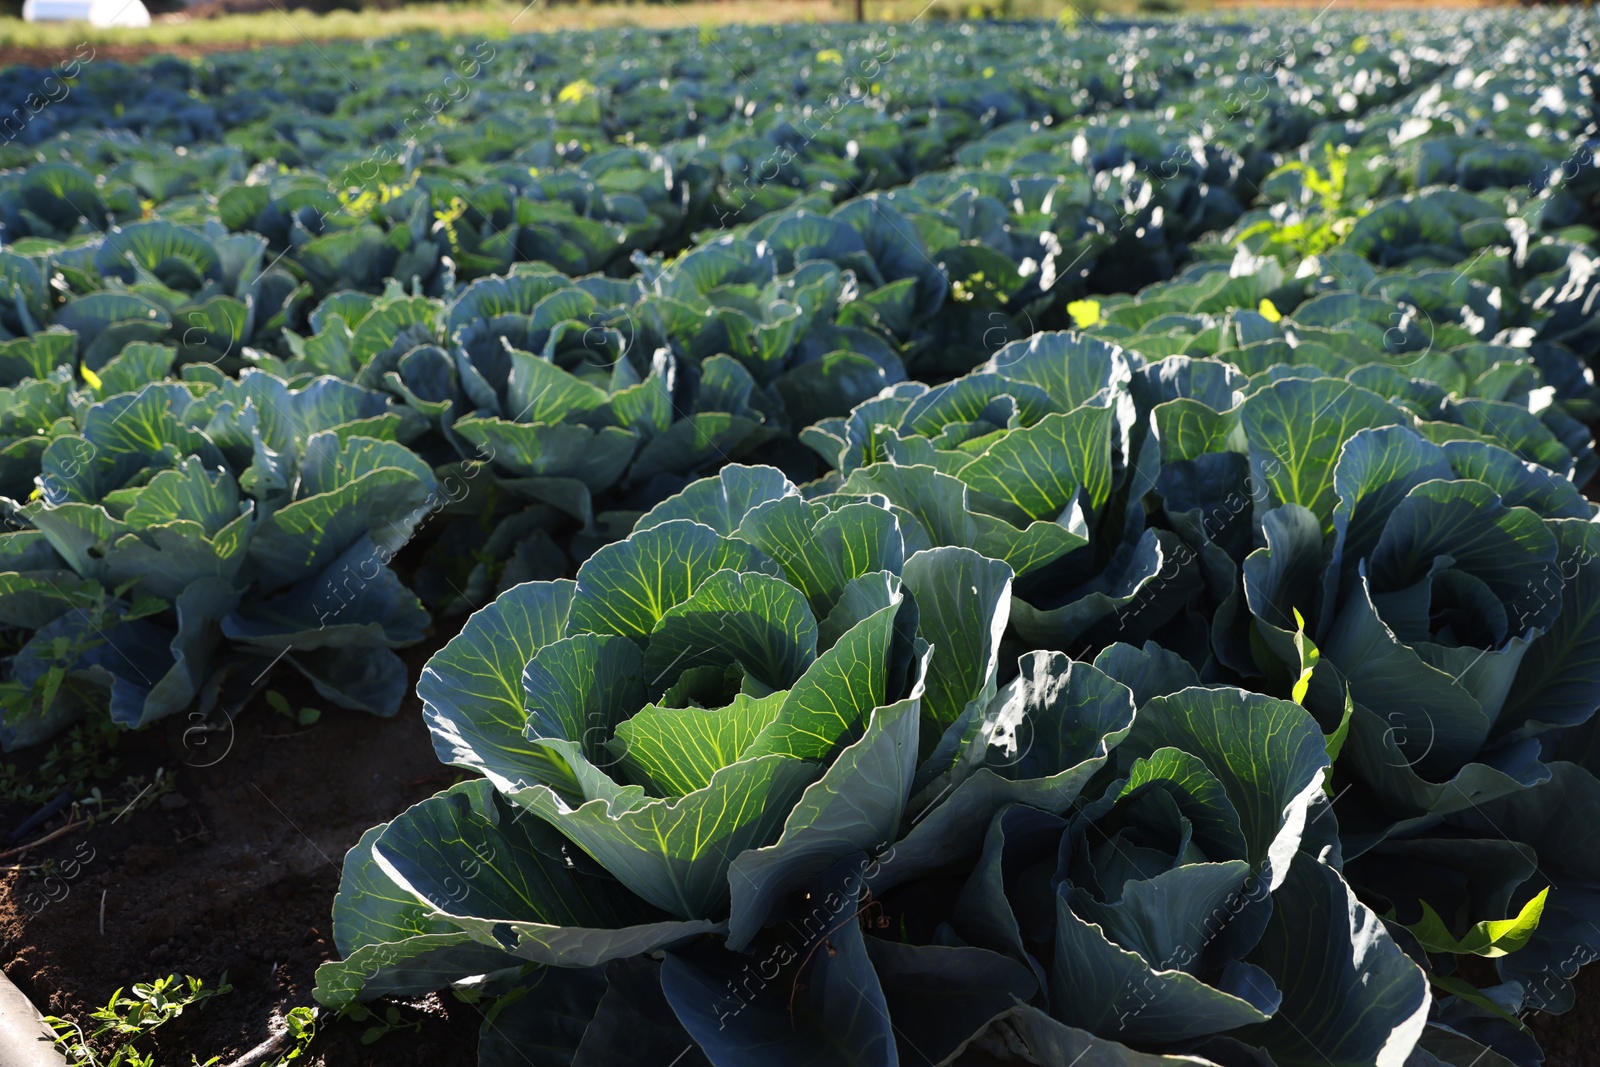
169	515
765	734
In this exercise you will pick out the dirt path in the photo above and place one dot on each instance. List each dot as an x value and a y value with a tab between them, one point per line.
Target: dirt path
233	871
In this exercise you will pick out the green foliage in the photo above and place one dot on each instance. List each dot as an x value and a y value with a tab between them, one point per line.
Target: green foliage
388	1022
77	761
59	686
301	1023
1327	220
300	717
1491	937
1189	566
114	1029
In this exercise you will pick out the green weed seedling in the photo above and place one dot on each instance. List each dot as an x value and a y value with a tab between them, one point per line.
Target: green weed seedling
302	1024
390	1021
299	716
127	1017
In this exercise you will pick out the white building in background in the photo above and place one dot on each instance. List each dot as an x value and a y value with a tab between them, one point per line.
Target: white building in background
125	13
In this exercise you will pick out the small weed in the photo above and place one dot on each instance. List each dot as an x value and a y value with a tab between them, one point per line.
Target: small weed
1313	232
302	717
391	1021
302	1024
127	1018
135	794
81	756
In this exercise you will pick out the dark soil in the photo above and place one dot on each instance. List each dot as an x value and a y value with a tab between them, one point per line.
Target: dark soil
232	871
1573	1039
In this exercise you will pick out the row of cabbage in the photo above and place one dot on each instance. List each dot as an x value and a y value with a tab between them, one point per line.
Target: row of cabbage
1094	707
563	388
1124	698
156	281
557	159
543	382
1183	689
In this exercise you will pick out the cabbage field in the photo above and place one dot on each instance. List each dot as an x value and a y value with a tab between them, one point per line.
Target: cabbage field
940	543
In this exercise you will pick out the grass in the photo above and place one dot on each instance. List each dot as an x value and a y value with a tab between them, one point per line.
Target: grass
486	19
495	19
